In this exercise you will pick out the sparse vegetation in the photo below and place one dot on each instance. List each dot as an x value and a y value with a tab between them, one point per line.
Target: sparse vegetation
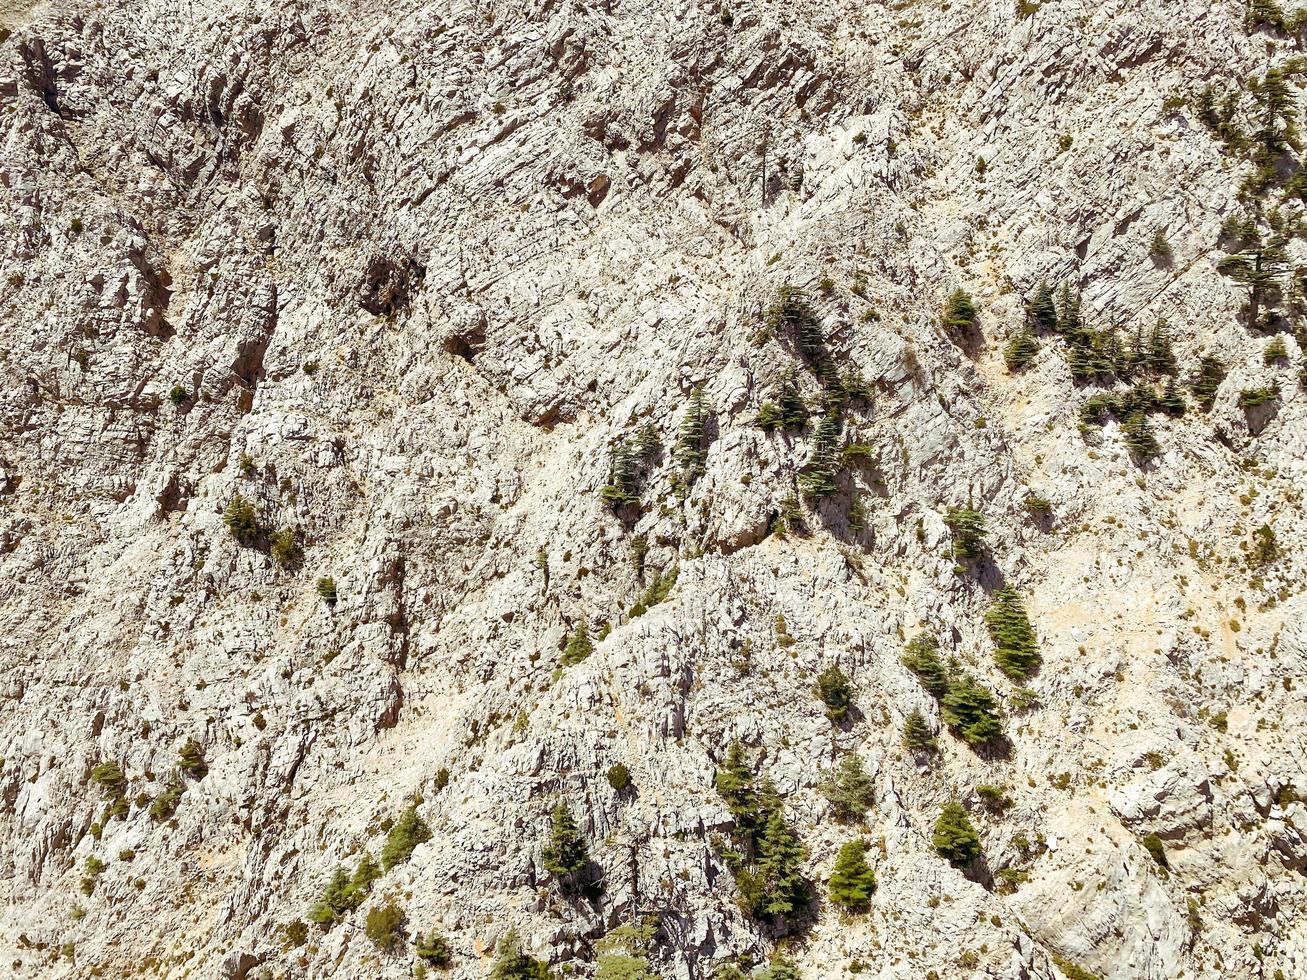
404	836
834	690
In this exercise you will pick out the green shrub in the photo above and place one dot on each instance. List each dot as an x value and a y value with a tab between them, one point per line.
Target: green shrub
1154	846
513	964
821	471
918	736
849	789
1073	971
994	798
1042	308
922	658
853	881
433	950
619	777
285	546
1159	248
969	709
578	645
624	952
623	487
565	854
345	892
765	854
405	835
658	591
1040	508
1265	547
110	778
1276	352
1254	397
954	837
191	759
165	804
834	691
1139	437
178	395
968	529
385	926
326	589
242	521
1017	654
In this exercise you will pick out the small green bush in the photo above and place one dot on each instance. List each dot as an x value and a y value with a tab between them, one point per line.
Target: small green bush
165	804
178	395
242	521
1276	352
326	589
578	646
959	312
433	950
1154	846
284	546
969	532
922	658
513	964
969	708
1020	350
385	926
191	759
619	777
834	690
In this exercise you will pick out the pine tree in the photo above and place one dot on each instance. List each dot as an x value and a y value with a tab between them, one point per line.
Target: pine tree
954	837
794	413
191	759
648	444
1172	401
513	964
823	466
1211	372
835	691
1139	437
623	488
969	709
734	782
360	883
688	451
1021	350
565	854
1018	654
922	658
1068	313
1042	309
578	645
849	789
433	950
405	835
853	881
969	530
780	968
780	862
917	733
959	312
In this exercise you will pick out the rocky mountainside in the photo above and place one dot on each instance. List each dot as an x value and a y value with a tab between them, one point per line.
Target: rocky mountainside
543	488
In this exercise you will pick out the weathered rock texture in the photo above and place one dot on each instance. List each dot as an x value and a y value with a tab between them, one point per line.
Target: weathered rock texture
400	274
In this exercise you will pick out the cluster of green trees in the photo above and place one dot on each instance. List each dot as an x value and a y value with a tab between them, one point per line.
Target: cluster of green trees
966	706
791	317
764	852
631	463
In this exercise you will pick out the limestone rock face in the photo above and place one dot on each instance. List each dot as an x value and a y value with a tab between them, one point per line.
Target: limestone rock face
330	330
